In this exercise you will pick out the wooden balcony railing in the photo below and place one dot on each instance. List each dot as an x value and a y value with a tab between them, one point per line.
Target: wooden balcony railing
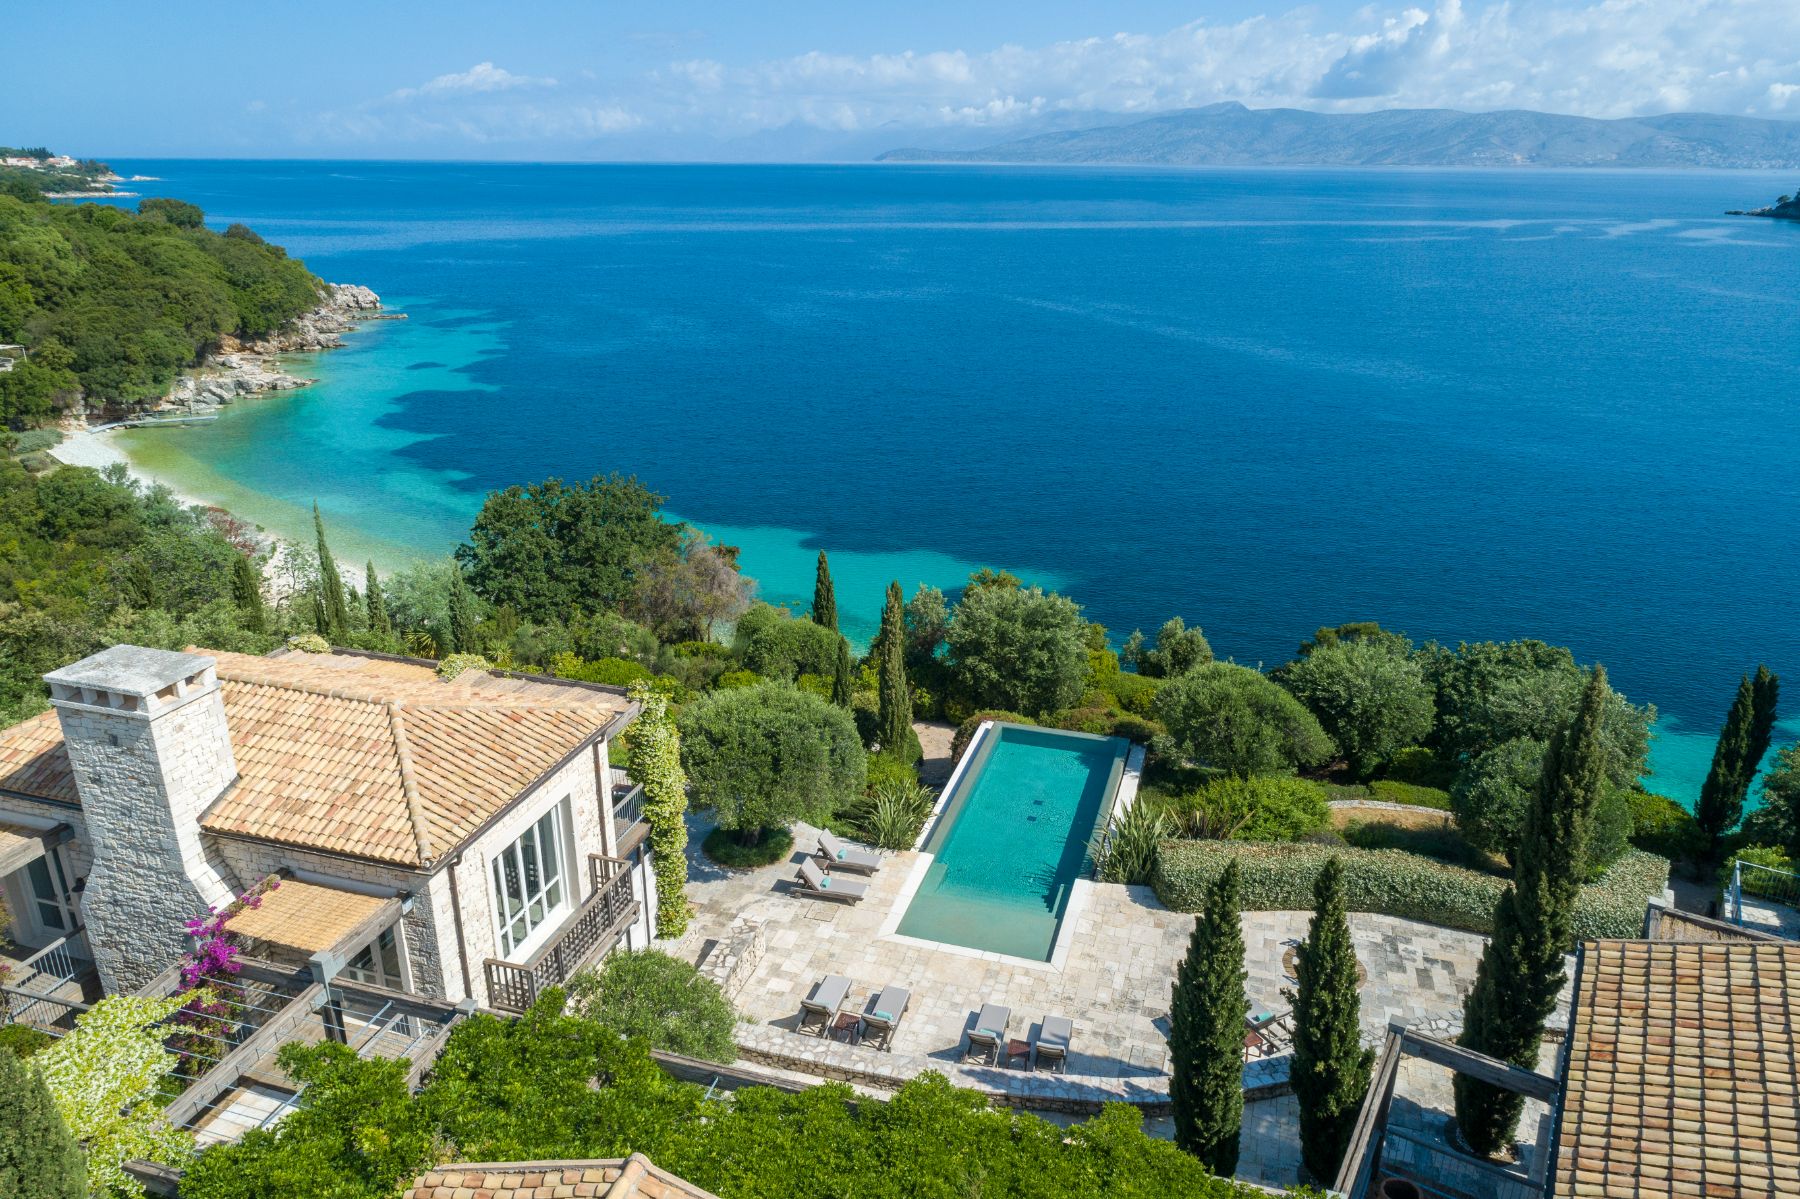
595	927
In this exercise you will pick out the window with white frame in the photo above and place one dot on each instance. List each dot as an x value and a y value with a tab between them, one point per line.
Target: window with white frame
531	886
53	907
379	962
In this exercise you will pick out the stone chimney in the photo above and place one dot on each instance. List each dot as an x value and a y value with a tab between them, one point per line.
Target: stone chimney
146	736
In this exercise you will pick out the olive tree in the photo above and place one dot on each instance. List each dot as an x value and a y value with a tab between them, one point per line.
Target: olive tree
768	755
1369	695
1238	720
1023	649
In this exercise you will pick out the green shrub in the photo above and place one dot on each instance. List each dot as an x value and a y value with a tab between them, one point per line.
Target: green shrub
1263	807
456	664
724	847
733	679
1135	692
309	643
1419	766
893	811
1660	825
965	732
22	1040
1412	794
889	770
609	672
1755	882
1125	851
660	998
699	649
1280	878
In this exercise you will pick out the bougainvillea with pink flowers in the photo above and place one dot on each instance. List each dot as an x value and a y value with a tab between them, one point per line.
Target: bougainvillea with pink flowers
210	1012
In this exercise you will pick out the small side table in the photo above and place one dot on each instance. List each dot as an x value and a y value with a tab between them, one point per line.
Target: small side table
1020	1050
847	1028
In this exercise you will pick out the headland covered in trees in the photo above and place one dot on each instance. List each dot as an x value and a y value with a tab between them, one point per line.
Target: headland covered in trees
108	313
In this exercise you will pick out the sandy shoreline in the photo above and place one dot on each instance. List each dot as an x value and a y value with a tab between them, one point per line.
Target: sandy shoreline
99	450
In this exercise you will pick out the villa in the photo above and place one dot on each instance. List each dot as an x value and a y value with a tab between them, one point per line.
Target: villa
451	840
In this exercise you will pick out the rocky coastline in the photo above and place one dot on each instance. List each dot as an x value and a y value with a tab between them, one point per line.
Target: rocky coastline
247	368
1784	210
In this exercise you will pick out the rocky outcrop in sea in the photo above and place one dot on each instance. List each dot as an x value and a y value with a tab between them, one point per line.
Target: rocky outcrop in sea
246	368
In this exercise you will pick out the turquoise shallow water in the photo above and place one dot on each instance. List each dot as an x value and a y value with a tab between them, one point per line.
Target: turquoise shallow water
1471	404
1013	839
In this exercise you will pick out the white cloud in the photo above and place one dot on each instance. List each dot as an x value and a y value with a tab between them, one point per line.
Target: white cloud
482	77
1602	58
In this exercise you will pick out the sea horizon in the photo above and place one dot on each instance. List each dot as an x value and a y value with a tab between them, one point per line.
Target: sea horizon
546	328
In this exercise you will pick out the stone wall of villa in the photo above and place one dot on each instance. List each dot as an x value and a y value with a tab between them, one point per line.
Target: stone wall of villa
579	783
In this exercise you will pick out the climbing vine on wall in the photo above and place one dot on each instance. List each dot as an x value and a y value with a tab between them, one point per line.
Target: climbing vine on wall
208	1014
654	760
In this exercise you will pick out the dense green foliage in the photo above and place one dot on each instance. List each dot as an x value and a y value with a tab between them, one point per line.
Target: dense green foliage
731	847
1206	1031
1492	794
1781	797
1263	807
766	756
1178	650
39	1159
22	1040
111	305
555	548
965	732
895	807
661	999
1370	695
824	606
1521	968
552	1085
87	561
893	727
1741	746
1238	720
1280	878
1410	794
1016	648
333	610
654	759
1331	1068
775	645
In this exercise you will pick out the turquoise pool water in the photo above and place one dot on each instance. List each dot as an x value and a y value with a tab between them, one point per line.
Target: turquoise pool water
1012	840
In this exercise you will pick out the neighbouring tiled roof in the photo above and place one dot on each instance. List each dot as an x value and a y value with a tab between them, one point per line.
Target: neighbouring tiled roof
1682	1072
614	1178
365	756
304	916
32	761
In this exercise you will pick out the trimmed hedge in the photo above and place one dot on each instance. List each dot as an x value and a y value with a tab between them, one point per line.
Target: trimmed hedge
1411	794
1280	877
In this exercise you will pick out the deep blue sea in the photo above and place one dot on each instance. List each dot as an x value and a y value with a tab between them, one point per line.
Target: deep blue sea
1468	404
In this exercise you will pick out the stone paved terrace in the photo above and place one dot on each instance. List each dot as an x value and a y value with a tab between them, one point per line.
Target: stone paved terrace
1115	984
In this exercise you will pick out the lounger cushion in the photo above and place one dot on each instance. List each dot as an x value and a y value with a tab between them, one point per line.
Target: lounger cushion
1056	1033
881	1015
830	991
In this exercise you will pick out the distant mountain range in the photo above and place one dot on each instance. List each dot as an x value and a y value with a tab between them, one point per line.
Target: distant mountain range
1232	135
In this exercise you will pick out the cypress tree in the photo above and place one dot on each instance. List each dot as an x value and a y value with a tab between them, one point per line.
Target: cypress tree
334	611
379	621
894	721
824	609
39	1158
1206	1032
1766	689
1722	794
843	680
246	592
1521	968
462	615
1331	1069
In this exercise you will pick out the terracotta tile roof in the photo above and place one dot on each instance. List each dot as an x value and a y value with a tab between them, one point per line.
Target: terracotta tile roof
304	916
1682	1072
32	761
364	756
613	1178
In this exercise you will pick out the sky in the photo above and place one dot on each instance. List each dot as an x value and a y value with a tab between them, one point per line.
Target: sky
602	79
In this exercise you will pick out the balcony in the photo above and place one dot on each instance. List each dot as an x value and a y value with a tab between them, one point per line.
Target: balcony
628	815
595	928
1764	900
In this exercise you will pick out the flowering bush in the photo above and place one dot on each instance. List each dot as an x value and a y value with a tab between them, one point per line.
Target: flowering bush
107	1078
209	1014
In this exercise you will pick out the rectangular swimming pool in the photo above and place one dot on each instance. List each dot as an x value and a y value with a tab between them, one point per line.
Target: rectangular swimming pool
1012	838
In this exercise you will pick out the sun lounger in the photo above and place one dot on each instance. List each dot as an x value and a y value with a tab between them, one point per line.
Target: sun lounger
1054	1036
812	882
822	1005
989	1034
882	1018
835	855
